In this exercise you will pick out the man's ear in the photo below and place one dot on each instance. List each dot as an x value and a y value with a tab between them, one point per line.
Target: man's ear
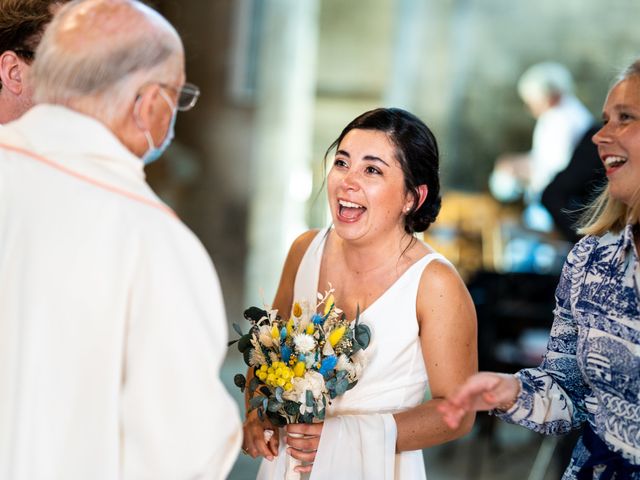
11	72
143	108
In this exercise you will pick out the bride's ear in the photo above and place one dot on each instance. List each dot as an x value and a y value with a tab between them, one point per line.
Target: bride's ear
421	195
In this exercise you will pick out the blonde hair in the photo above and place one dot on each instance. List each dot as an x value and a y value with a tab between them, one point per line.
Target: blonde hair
606	213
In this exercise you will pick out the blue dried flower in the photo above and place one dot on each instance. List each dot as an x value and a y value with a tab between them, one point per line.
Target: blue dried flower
328	364
285	352
317	319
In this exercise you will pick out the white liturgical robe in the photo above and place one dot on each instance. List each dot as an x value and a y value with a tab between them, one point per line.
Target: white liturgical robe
112	323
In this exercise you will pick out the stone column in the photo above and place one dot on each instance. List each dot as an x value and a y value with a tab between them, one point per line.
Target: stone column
283	141
404	89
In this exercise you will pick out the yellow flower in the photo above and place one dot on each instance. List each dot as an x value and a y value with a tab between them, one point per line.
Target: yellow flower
275	333
299	369
336	335
328	304
288	386
297	310
263	367
289	327
310	329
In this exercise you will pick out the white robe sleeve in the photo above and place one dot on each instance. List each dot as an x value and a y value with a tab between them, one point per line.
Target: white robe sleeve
357	447
177	420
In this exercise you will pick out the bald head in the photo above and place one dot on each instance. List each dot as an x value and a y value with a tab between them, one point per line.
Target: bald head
96	54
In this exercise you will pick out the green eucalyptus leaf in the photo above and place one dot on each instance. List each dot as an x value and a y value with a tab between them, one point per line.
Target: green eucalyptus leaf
276	419
240	381
237	328
246	356
256	401
363	335
309	398
291	407
278	394
254	383
253	314
273	405
244	343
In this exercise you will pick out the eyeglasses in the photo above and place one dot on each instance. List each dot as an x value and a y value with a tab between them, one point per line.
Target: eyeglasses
187	95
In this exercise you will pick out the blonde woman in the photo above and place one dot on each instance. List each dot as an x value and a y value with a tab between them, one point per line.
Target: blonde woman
591	372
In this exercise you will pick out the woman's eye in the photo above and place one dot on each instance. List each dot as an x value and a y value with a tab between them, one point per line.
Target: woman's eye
625	117
373	170
339	163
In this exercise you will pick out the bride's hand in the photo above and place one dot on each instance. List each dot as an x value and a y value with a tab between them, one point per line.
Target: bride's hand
303	440
255	442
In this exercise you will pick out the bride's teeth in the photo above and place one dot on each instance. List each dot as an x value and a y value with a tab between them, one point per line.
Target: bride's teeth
344	203
614	161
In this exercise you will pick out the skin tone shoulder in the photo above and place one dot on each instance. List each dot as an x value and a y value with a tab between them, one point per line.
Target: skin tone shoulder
365	253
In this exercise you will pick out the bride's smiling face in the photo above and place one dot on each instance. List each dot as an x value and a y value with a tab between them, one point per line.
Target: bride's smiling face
366	187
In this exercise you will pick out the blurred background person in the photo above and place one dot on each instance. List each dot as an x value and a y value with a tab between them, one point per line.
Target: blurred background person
22	24
574	187
561	121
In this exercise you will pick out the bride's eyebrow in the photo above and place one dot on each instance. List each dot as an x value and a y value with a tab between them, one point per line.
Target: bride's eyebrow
373	158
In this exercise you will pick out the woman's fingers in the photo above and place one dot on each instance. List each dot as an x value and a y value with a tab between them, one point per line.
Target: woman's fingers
304	443
307	457
272	437
256	442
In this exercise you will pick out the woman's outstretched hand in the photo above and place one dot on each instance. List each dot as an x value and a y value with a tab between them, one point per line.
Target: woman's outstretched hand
255	442
303	440
482	391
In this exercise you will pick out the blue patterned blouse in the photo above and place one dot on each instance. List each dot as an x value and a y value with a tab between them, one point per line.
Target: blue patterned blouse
591	371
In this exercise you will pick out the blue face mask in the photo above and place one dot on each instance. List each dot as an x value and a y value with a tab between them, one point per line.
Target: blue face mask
154	153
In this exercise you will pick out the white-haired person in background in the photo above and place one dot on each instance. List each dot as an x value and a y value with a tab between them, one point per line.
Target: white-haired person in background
591	372
112	324
561	121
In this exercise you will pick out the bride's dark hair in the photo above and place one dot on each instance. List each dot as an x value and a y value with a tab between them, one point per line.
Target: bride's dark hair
417	154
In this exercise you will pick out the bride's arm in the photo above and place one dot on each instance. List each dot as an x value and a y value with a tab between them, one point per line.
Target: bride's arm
448	335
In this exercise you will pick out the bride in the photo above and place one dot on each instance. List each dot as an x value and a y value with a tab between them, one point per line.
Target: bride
383	187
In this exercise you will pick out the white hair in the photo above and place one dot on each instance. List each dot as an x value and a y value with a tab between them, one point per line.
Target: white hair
544	80
96	55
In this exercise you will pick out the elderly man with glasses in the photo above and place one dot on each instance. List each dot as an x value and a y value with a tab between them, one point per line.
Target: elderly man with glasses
112	325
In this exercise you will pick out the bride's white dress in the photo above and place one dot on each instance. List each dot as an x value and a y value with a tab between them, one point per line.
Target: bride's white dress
358	437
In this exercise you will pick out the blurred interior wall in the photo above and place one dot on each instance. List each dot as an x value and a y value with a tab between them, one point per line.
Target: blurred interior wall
455	63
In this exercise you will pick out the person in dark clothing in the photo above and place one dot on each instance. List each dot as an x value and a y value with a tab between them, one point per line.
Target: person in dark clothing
573	188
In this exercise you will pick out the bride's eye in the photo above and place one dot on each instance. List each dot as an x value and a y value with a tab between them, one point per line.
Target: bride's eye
338	162
373	170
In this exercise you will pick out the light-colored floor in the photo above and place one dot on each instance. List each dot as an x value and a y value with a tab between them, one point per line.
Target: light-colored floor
508	455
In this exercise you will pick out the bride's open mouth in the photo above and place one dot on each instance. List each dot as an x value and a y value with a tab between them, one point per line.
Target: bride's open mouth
349	211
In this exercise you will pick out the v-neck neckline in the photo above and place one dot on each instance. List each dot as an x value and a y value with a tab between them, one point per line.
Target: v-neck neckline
323	244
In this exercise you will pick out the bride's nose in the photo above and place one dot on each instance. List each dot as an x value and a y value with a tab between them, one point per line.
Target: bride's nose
351	180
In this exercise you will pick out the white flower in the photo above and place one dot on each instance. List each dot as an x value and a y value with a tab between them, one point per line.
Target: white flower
264	335
327	350
312	381
304	343
353	367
